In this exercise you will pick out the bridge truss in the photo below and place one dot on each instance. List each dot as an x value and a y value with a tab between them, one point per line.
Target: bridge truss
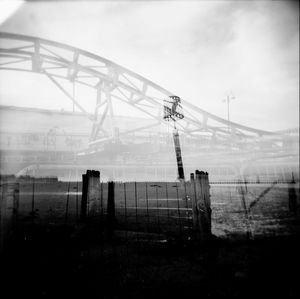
63	64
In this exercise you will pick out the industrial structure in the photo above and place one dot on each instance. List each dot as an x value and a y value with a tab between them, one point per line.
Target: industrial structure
77	139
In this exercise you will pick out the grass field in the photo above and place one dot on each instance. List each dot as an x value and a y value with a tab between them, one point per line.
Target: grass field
250	209
254	250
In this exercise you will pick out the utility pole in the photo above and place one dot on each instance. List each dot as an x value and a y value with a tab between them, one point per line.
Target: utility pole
227	100
73	96
171	113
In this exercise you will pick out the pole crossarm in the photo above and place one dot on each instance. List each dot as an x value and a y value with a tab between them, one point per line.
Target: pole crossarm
113	83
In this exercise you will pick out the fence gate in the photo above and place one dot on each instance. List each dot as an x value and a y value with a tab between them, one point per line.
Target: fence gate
173	209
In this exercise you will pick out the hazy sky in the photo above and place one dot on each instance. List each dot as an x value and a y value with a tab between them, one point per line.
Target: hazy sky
197	50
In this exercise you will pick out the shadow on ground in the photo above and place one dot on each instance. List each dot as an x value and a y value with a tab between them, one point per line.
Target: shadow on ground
54	263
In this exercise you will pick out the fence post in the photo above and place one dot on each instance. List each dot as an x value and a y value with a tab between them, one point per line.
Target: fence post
94	193
201	204
8	210
83	209
111	209
243	191
293	202
196	222
207	204
16	202
2	213
91	193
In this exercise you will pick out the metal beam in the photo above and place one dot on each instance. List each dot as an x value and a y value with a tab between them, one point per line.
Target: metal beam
109	76
69	96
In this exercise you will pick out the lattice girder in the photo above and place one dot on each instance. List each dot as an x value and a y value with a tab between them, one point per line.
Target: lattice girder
113	83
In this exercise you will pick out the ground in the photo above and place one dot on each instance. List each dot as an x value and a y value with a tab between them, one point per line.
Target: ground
55	266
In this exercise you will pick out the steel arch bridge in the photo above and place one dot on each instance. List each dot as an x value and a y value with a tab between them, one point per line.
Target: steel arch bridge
112	82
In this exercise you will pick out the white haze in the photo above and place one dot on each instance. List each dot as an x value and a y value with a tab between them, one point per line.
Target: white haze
198	50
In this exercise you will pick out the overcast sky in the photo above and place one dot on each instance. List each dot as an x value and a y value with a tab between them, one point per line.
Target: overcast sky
197	50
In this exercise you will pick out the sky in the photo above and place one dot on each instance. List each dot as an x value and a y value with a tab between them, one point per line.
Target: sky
199	50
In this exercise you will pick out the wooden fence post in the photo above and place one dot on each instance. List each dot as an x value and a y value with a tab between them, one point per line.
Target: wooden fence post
2	213
207	204
293	201
16	202
8	210
83	211
91	193
201	204
111	209
94	194
196	219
